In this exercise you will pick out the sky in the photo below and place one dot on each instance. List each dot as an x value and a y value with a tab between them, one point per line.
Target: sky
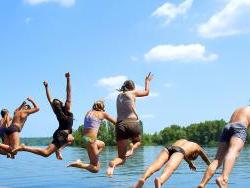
198	52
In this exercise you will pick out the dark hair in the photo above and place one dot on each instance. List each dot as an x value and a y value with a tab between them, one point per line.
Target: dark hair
99	106
28	106
4	112
128	85
57	105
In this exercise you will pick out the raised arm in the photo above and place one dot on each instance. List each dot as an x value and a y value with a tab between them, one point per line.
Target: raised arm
109	118
204	156
145	92
47	92
19	108
35	107
68	91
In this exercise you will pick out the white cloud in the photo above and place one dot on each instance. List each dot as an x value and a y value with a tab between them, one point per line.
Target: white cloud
65	3
170	11
115	82
231	20
185	53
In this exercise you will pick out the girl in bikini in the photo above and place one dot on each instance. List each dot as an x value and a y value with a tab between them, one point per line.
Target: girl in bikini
93	120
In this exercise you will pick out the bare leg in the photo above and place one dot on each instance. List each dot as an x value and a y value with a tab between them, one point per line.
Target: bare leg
133	147
45	152
122	149
172	164
70	140
155	166
236	145
100	146
216	163
93	152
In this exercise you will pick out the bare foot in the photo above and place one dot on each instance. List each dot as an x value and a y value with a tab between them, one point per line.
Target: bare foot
157	183
129	152
110	169
201	186
222	183
19	148
76	163
59	155
140	183
11	156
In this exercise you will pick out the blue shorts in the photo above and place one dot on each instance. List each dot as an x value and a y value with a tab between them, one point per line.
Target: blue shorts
234	129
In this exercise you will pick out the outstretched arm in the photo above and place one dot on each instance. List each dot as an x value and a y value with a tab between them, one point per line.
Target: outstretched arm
190	163
109	118
204	156
145	92
35	107
45	83
68	90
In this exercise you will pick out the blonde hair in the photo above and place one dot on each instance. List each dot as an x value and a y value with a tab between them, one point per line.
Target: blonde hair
99	105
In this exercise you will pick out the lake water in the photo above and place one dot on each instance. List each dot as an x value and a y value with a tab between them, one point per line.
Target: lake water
29	170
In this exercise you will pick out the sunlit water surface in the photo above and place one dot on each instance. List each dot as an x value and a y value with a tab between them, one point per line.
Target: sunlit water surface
29	170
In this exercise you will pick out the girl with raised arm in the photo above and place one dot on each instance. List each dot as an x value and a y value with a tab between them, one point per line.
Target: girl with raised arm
128	126
93	120
63	135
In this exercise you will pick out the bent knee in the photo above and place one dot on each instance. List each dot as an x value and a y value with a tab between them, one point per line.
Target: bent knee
46	154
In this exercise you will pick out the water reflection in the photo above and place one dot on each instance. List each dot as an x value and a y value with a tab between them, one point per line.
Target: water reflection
28	170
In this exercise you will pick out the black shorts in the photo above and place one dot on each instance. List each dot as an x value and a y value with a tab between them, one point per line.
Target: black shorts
128	129
11	129
60	138
174	149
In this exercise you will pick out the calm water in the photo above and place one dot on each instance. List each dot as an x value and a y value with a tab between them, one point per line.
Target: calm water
28	170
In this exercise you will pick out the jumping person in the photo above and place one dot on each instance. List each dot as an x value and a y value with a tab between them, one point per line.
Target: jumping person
62	136
232	141
128	126
20	116
93	120
172	156
4	123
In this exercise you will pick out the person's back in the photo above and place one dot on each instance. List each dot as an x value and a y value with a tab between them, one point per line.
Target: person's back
241	115
125	104
190	148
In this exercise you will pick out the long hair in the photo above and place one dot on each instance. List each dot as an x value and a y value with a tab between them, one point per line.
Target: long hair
128	85
4	114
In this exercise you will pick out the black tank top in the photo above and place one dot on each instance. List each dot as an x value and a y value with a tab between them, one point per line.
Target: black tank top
65	120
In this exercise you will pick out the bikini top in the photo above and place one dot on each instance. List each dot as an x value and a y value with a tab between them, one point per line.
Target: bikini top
92	122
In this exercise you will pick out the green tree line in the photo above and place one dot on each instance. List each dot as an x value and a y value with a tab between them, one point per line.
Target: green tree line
205	133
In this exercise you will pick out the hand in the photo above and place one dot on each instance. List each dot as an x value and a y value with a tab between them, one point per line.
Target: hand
67	75
149	77
45	83
192	167
29	99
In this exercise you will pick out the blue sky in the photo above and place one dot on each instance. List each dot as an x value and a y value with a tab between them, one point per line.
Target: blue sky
197	50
